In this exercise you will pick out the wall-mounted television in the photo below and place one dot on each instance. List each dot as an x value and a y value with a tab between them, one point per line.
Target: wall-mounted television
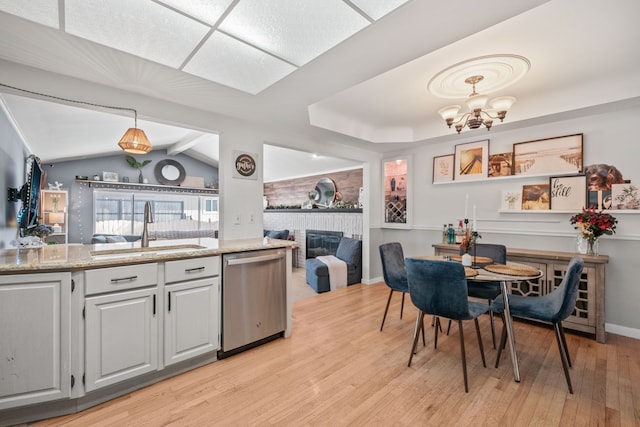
30	195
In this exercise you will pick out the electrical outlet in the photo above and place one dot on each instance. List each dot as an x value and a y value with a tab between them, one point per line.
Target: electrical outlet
252	219
236	220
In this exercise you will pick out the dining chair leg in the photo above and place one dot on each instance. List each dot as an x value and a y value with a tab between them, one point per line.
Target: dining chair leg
424	342
433	322
419	324
484	363
387	308
435	341
564	343
402	305
493	330
503	343
449	327
563	356
464	357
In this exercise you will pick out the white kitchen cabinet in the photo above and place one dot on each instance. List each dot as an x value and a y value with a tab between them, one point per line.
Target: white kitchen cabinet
121	326
34	338
191	315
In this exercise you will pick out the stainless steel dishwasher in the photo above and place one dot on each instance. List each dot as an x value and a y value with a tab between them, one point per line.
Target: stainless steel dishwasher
253	299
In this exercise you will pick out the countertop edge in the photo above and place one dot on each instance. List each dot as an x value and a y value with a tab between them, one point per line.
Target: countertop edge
71	258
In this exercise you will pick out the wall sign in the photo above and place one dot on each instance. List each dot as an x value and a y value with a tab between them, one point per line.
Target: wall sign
567	192
245	165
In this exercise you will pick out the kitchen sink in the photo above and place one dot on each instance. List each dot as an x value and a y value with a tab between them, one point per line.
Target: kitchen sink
137	252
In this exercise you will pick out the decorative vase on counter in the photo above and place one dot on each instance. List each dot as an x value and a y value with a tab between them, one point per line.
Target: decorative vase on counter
587	245
141	178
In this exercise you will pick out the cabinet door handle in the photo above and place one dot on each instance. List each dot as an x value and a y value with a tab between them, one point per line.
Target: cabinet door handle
124	279
154	304
169	301
193	270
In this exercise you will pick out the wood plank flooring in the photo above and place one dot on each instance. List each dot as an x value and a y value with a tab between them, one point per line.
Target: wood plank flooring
338	369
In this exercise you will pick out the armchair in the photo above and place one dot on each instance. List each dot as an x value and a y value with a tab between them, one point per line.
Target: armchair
350	251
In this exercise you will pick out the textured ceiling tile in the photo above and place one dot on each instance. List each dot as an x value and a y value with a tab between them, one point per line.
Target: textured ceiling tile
145	29
295	30
232	63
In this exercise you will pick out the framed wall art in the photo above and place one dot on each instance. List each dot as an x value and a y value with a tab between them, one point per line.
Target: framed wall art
471	161
512	200
396	179
625	196
500	164
535	197
567	192
548	156
443	168
110	176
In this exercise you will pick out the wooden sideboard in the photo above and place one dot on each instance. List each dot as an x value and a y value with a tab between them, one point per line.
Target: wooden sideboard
588	315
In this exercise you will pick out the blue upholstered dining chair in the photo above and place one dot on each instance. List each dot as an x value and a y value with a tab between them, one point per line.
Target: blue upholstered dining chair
440	288
487	290
553	307
394	272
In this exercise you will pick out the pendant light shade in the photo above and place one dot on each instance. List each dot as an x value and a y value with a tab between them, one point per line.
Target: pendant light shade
135	141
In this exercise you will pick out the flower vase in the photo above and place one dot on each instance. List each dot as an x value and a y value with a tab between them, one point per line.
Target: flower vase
466	259
587	245
141	178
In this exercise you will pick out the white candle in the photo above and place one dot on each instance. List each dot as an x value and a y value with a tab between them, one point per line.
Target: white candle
466	207
474	228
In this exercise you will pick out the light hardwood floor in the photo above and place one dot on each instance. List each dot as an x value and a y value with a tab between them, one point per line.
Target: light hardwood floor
337	369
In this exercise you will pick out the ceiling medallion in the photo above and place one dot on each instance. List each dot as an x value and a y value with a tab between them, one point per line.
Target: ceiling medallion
493	72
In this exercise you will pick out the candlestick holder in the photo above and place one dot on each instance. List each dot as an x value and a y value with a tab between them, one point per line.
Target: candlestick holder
474	237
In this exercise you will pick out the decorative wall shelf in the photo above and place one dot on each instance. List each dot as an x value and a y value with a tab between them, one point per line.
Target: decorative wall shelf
327	210
154	187
568	211
509	177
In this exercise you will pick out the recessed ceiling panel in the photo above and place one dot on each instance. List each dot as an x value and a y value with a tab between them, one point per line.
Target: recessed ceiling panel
376	9
296	30
142	28
205	10
43	12
230	62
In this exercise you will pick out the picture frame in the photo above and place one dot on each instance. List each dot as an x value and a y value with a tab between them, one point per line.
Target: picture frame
567	192
443	168
471	161
535	197
500	164
625	196
110	176
511	200
559	155
397	192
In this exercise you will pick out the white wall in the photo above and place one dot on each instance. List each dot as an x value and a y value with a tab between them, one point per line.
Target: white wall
608	139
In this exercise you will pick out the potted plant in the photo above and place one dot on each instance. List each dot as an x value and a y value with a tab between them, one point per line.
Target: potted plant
138	165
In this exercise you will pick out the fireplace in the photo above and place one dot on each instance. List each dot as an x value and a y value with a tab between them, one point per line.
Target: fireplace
321	242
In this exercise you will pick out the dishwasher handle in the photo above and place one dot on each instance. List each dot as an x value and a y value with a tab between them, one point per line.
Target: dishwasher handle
250	260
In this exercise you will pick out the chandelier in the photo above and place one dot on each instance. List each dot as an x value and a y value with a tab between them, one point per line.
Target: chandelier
478	115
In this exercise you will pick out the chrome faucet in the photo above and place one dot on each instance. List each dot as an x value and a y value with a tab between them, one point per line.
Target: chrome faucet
148	219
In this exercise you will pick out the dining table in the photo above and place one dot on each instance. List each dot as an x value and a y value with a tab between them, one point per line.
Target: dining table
487	271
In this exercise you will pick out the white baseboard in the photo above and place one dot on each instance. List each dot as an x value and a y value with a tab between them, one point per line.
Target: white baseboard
372	281
622	330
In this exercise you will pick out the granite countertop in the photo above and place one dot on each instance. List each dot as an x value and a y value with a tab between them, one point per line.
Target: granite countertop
70	257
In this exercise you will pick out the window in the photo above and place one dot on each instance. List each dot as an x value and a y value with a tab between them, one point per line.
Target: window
117	212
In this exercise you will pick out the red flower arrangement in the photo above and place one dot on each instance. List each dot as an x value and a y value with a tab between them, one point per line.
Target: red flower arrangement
469	240
593	224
